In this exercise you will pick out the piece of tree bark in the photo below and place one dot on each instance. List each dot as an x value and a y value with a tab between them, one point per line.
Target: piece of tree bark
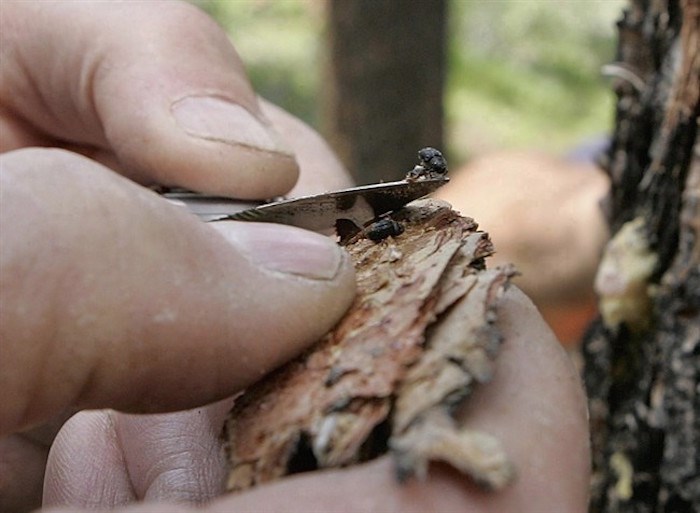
385	77
643	356
419	336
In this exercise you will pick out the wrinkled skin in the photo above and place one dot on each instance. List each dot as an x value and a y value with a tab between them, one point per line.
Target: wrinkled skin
113	298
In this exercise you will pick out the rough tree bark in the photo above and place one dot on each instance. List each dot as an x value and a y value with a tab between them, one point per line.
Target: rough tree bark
385	72
643	355
391	375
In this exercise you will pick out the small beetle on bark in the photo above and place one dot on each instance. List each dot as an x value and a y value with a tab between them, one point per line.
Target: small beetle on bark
432	165
382	229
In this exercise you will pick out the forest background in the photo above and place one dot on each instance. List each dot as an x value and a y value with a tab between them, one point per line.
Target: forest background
520	73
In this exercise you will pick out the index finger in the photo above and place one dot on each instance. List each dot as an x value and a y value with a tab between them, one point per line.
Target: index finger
161	92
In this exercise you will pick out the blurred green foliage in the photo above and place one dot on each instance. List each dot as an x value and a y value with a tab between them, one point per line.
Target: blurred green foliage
527	73
280	43
522	73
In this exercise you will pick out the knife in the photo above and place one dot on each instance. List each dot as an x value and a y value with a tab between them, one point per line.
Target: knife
319	212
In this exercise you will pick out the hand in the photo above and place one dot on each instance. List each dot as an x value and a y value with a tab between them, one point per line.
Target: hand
218	342
534	405
110	295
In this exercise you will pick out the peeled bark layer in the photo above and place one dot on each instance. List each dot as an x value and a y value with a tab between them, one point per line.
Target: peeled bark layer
388	378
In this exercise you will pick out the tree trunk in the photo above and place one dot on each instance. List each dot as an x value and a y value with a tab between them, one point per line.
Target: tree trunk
643	355
385	79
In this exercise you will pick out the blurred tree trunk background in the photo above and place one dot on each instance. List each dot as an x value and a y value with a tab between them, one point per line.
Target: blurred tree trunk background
518	74
643	356
385	79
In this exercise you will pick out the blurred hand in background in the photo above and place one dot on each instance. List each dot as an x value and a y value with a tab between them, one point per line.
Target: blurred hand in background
543	214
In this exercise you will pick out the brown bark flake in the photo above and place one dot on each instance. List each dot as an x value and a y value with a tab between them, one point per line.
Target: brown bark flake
419	336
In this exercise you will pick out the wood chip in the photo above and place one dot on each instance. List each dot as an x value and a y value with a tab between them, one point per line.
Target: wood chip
419	336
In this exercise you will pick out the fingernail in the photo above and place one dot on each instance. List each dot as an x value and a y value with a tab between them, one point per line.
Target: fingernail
217	119
285	249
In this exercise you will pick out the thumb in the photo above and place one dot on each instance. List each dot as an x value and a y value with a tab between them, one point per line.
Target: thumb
153	89
112	297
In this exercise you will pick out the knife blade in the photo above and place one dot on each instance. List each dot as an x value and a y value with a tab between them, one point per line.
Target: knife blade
319	212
